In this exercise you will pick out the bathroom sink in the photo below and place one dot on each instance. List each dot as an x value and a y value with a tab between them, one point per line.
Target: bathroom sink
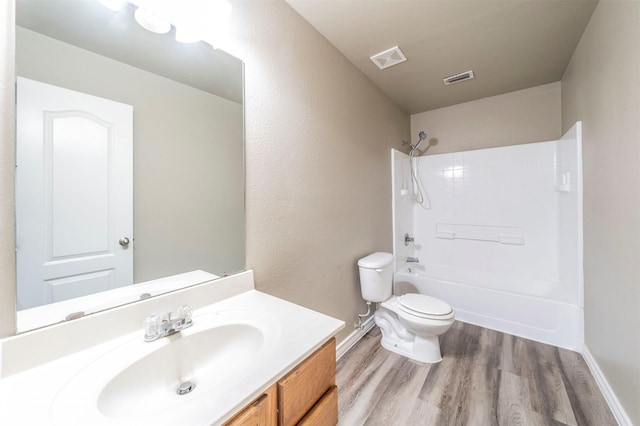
204	359
158	380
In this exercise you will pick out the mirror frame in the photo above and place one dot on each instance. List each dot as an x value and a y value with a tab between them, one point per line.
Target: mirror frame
8	280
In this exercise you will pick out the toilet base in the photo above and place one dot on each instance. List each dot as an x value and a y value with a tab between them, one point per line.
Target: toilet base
396	338
421	349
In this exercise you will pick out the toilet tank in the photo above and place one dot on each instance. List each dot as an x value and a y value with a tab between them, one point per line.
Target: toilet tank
376	276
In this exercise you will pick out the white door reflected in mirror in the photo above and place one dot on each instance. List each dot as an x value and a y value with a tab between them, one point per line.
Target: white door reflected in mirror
73	194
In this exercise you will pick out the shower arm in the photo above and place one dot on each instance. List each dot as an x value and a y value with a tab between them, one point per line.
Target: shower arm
421	136
413	147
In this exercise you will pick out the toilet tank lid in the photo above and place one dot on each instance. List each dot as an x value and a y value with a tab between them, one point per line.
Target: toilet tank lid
376	260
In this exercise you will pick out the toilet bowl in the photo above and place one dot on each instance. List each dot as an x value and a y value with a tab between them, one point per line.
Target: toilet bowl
411	323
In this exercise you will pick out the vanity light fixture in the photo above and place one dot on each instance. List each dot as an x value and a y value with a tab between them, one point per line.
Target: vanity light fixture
194	20
114	5
152	22
199	20
186	36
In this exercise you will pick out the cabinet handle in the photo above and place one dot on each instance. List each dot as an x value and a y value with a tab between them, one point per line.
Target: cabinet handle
260	400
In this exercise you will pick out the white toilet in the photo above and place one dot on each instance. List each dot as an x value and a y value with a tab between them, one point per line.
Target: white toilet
410	323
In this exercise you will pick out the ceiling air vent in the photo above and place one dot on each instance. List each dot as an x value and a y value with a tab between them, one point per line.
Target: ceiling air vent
388	58
457	78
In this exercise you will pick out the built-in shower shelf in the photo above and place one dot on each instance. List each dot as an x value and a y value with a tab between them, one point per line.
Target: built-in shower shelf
565	183
496	234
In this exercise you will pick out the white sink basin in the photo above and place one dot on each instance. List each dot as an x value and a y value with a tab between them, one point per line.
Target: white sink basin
138	381
205	359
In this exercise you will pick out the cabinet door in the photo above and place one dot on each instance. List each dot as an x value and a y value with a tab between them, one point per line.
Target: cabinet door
325	412
299	391
261	412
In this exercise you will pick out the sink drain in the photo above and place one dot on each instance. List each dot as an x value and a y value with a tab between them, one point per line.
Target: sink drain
186	388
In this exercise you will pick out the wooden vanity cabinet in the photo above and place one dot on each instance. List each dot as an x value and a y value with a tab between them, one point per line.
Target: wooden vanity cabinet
261	412
309	389
306	396
325	412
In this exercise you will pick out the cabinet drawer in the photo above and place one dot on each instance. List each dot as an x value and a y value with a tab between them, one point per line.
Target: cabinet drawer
262	411
325	412
306	384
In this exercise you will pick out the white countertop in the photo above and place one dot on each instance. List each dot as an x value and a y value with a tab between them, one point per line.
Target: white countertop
30	319
27	396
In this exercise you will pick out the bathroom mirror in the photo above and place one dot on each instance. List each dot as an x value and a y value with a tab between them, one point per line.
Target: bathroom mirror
171	201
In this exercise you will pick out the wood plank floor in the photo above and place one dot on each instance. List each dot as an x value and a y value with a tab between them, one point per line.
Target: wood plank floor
485	378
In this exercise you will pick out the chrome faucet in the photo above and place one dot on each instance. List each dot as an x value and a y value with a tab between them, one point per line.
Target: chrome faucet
411	259
157	326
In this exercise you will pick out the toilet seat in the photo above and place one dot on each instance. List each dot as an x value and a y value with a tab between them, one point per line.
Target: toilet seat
423	306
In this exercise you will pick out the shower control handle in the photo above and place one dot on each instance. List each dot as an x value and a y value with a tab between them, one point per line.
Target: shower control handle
407	239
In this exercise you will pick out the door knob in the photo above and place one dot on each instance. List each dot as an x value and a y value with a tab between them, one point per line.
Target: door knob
124	242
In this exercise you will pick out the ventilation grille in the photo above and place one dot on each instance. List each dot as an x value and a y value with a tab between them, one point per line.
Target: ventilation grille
457	78
388	58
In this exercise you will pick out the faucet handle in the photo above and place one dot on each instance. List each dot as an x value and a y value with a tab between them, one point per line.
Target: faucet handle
152	326
184	313
407	239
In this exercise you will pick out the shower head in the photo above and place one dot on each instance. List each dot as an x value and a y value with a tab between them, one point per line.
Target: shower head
422	136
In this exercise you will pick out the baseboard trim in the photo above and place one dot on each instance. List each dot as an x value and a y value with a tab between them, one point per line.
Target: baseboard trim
614	404
344	346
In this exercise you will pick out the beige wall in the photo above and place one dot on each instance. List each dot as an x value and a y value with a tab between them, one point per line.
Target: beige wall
529	115
318	139
188	192
601	87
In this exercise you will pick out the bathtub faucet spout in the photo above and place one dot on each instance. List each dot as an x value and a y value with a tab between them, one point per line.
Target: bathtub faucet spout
411	259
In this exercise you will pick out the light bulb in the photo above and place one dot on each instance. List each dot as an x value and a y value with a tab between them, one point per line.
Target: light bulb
114	5
152	22
186	36
223	8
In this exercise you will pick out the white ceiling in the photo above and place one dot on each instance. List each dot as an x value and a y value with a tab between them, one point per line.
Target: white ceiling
509	44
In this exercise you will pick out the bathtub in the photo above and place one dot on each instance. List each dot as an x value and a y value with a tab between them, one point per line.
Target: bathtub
548	321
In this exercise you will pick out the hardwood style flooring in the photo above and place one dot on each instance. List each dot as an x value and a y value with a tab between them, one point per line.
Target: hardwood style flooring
485	378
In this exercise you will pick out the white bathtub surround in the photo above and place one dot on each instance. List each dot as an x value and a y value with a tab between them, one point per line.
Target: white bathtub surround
55	375
500	239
